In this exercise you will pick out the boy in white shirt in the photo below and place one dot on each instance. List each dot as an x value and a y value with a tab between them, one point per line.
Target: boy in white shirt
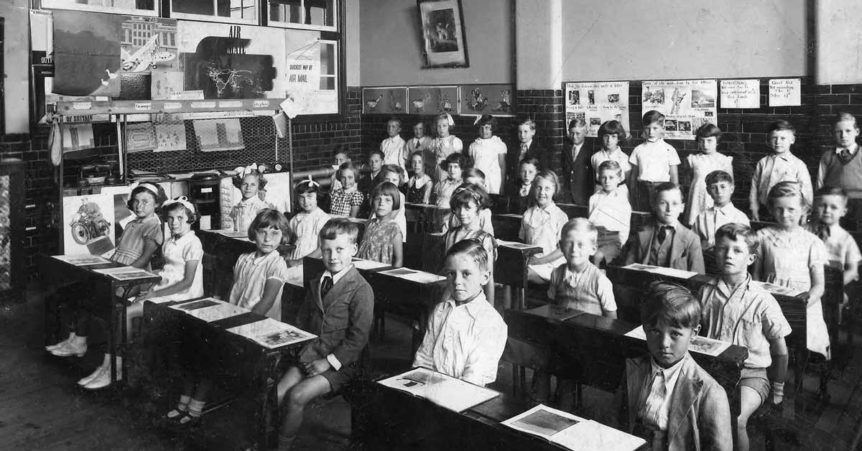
719	185
394	148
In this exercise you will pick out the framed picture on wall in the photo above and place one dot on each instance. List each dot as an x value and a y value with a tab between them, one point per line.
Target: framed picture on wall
443	33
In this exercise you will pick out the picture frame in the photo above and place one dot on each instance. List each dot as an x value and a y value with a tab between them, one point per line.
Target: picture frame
443	41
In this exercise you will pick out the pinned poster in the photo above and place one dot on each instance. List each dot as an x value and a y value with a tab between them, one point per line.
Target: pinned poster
596	103
785	92
686	104
740	93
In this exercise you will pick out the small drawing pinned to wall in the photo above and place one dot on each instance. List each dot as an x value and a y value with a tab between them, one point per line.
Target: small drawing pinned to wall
384	100
484	99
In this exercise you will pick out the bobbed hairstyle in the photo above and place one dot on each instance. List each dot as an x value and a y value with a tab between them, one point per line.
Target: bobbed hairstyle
183	203
718	176
467	193
268	218
544	174
387	189
778	126
346	167
339	226
580	225
487	119
392	169
308	186
736	231
786	189
612	128
651	117
153	189
708	130
672	304
471	248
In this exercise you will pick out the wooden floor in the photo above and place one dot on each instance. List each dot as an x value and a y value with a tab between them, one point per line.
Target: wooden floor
41	408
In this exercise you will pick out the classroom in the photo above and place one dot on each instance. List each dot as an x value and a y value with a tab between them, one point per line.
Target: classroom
430	224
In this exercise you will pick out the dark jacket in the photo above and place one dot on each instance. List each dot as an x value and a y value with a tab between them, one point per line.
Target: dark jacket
685	251
578	179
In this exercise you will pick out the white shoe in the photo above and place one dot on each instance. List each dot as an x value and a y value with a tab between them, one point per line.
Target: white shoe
103	379
77	346
86	380
60	344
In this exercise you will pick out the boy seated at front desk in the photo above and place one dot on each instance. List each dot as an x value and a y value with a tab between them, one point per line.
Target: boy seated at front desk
667	398
465	337
666	242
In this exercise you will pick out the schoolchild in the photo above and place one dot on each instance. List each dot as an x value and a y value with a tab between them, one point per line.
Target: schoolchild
653	162
778	167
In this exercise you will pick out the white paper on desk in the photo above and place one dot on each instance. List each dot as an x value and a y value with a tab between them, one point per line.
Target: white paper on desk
82	259
416	276
670	272
445	391
572	432
233	234
699	344
515	244
272	334
217	312
125	273
777	289
368	264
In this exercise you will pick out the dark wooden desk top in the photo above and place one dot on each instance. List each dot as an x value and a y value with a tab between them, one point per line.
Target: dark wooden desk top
58	272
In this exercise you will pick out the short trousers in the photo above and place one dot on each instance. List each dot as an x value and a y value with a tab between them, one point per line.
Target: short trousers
757	380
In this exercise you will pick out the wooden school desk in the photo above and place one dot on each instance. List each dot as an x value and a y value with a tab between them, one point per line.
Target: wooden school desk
254	364
388	418
511	267
110	293
592	349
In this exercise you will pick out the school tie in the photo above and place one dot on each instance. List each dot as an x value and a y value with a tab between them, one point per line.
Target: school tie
325	286
844	155
655	399
415	143
523	148
663	232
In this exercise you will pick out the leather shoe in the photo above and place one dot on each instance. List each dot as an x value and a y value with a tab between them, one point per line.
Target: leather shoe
74	347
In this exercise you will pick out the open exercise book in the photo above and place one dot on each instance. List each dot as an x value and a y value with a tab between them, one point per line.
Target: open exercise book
445	391
126	273
572	432
82	259
670	272
703	345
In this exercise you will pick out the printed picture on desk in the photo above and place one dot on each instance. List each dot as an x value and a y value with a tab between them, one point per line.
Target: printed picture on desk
87	228
487	99
226	61
433	99
384	100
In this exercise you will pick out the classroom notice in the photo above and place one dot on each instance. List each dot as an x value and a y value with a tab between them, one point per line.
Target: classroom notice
785	92
572	432
596	103
445	391
686	104
740	93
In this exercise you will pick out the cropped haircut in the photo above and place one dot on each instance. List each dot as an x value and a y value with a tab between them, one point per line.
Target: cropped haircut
147	187
471	248
845	116
394	119
665	186
529	160
191	215
828	190
546	174
394	169
266	218
786	189
708	130
577	122
419	154
779	125
672	304
610	165
378	152
261	180
387	189
652	116
736	231
473	172
580	225
339	226
487	119
455	158
346	167
529	123
612	128
718	176
467	193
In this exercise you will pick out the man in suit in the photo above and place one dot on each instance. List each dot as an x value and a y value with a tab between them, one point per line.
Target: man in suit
578	178
666	242
528	147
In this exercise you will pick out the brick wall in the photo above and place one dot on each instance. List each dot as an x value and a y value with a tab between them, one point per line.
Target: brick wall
315	141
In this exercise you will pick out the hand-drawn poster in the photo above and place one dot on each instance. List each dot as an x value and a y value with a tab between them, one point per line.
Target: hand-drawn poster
170	137
740	93
219	134
384	100
785	92
140	137
88	226
487	99
686	104
227	61
598	102
433	99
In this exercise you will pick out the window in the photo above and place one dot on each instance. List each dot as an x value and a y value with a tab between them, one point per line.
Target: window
234	11
140	7
309	14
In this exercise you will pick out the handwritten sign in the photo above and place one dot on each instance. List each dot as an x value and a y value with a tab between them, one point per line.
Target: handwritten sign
740	93
785	92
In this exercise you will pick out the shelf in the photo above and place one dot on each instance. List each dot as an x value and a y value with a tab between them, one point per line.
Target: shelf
87	107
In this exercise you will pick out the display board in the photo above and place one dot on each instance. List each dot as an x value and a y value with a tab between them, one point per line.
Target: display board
596	103
686	104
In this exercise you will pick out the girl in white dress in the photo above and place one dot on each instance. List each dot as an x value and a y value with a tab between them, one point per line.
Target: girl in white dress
444	144
249	181
700	165
304	227
489	154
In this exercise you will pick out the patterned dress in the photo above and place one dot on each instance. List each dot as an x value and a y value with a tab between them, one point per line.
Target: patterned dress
377	241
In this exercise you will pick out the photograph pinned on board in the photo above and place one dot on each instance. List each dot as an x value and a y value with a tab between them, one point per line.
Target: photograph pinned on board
487	99
443	33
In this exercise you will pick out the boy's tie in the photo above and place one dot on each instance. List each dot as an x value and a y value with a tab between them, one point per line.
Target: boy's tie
523	147
844	155
325	286
663	232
